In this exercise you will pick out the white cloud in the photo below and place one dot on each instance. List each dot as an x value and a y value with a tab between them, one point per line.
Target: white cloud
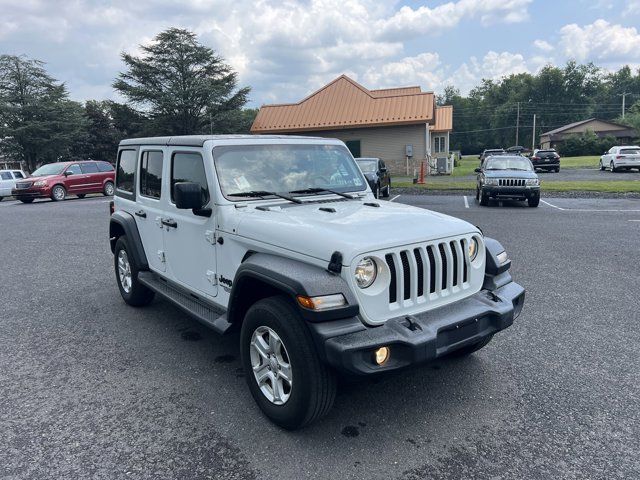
543	45
493	66
600	41
632	8
424	69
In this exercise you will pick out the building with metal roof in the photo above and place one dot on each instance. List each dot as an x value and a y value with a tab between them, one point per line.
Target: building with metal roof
402	126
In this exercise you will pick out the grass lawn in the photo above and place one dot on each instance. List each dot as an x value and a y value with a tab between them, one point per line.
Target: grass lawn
622	186
468	163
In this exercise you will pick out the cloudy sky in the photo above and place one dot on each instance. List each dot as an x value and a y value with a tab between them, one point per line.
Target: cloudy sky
286	49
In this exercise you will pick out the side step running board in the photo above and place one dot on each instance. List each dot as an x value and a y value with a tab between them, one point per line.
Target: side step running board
212	317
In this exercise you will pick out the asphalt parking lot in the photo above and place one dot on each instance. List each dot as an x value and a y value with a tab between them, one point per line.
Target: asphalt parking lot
91	388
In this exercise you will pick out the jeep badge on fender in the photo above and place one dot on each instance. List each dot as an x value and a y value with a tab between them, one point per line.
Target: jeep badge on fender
302	273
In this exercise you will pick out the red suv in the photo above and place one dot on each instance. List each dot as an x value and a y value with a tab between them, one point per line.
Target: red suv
57	180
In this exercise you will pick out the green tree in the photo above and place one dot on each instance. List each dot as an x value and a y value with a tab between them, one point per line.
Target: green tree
38	122
183	86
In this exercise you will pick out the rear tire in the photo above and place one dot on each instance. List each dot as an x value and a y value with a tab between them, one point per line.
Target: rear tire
386	193
1	198
312	386
108	189
82	195
58	193
469	349
376	193
557	169
132	291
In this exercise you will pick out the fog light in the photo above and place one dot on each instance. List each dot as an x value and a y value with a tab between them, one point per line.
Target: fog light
381	355
502	258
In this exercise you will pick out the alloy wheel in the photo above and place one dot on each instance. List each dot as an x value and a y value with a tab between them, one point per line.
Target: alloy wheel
271	365
108	189
58	193
124	271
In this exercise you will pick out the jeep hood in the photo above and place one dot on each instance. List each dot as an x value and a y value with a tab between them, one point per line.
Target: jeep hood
353	229
510	174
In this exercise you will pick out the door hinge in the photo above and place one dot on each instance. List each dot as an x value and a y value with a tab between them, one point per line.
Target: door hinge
212	278
210	236
161	256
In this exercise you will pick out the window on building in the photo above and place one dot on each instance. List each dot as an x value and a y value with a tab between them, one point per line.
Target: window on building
354	147
151	174
189	167
439	144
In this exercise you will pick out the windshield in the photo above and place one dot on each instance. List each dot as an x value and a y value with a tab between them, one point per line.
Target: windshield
368	166
49	169
507	163
285	168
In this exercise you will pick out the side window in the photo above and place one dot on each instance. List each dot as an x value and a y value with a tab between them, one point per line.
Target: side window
151	174
18	175
354	147
104	167
189	167
89	167
6	176
126	170
75	169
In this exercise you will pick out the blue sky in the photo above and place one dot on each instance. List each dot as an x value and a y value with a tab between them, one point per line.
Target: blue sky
286	49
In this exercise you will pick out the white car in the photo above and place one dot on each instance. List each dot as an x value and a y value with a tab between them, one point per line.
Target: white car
8	180
619	158
282	239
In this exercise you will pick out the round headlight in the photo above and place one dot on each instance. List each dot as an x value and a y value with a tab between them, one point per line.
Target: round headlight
366	272
473	249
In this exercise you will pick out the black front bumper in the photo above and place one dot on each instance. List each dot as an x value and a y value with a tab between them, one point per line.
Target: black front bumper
511	192
348	345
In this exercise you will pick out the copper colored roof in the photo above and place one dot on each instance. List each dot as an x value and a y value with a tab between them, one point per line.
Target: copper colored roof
444	119
344	103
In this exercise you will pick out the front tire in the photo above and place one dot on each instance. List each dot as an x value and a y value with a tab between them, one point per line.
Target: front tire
286	378
602	167
82	195
534	201
612	167
131	290
58	193
484	199
26	200
376	192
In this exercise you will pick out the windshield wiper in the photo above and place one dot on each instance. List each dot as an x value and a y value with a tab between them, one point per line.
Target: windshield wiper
518	169
264	193
321	190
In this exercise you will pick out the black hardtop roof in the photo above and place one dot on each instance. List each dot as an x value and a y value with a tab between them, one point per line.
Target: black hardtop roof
198	140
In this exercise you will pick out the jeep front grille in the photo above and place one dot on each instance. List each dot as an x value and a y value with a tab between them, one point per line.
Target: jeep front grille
428	272
511	182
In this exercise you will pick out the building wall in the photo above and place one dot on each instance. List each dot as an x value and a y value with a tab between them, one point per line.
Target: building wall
387	143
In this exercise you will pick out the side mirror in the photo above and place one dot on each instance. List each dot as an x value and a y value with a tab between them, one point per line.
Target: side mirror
480	156
383	170
67	173
478	170
188	195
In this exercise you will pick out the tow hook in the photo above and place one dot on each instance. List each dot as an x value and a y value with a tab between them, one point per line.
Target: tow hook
410	323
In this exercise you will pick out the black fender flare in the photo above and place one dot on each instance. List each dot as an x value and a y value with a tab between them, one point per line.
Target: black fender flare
123	223
291	278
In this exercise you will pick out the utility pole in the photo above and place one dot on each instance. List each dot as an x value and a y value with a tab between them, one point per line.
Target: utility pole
624	95
533	135
517	123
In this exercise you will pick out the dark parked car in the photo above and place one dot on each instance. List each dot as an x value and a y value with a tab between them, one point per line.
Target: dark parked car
489	152
507	177
57	180
377	175
516	150
546	160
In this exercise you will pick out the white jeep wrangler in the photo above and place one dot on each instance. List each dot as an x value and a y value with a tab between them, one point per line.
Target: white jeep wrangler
282	238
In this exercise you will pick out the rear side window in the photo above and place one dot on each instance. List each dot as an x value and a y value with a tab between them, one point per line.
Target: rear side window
6	176
126	170
18	175
151	174
89	167
104	167
189	167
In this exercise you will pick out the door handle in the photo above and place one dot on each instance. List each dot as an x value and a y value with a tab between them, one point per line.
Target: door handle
141	214
169	222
